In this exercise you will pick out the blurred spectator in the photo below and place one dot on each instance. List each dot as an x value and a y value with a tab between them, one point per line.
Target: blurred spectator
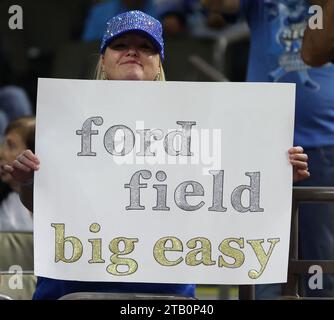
101	12
14	103
318	44
173	23
206	18
19	135
277	28
187	15
176	16
215	19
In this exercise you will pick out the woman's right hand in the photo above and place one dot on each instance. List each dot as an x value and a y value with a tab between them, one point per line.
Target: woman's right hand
22	169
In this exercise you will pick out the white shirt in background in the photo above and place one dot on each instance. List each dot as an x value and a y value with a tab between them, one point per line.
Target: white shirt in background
13	215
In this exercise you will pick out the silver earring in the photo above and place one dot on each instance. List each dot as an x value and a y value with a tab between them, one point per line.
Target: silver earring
104	75
157	77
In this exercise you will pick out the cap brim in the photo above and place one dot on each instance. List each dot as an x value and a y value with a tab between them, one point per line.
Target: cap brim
136	30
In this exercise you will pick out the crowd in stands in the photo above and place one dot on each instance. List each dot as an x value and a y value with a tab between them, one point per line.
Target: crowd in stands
65	44
41	49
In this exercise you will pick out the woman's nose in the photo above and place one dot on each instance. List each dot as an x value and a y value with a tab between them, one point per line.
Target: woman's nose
132	51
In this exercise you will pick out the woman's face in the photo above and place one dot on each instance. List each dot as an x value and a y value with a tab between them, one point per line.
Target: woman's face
12	146
131	57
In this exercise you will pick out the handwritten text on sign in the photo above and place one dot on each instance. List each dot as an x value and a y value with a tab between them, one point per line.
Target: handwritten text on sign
147	192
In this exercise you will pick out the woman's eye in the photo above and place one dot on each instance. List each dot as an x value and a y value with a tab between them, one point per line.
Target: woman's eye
146	46
119	46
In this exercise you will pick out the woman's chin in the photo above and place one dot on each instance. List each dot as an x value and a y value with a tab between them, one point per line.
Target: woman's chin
133	72
134	76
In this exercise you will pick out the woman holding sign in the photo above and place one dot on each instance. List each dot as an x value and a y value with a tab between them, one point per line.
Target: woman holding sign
132	49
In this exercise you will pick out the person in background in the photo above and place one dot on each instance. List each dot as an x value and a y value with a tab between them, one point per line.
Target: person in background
101	12
176	16
277	28
14	103
318	44
19	136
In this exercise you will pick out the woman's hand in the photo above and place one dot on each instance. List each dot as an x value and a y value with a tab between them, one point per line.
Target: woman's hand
22	169
298	159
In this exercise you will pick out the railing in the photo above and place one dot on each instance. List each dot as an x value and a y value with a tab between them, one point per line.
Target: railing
228	36
203	66
297	267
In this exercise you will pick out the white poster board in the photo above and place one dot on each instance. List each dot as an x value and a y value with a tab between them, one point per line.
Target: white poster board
202	196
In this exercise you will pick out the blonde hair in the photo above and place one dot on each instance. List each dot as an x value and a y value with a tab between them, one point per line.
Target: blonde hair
101	75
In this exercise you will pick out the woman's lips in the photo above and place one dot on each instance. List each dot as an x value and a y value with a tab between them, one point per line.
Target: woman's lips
132	62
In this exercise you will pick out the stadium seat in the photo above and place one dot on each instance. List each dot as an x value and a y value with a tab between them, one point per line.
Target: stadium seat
178	52
76	60
16	249
17	280
4	297
15	289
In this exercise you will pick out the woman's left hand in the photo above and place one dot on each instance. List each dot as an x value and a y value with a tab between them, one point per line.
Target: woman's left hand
298	159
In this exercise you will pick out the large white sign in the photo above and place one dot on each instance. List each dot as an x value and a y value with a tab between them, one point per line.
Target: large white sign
169	182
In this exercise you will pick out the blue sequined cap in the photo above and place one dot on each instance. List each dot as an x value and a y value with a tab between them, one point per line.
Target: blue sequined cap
134	21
